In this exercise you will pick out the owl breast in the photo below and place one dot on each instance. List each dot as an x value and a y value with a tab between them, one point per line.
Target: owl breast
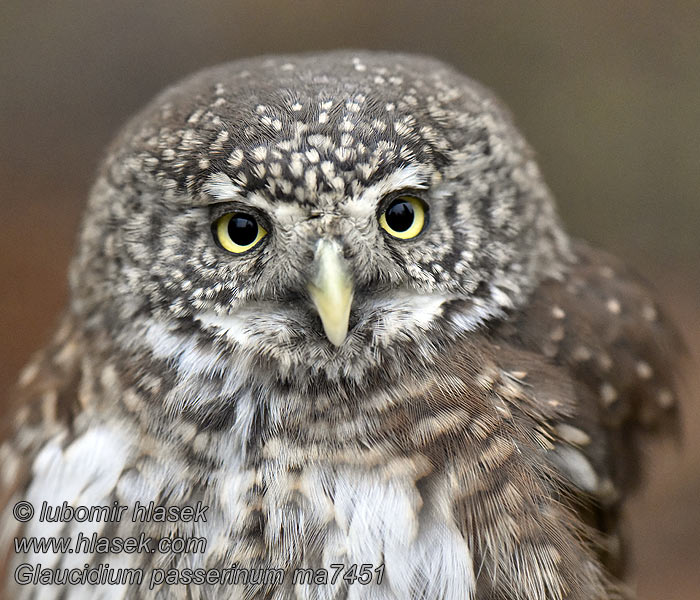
270	517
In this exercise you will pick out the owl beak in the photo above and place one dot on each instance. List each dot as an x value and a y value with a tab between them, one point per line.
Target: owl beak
331	290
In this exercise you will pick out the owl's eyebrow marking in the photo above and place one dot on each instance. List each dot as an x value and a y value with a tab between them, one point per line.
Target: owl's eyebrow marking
222	189
220	186
409	177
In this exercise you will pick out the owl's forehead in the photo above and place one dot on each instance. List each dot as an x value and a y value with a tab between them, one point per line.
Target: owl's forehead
306	129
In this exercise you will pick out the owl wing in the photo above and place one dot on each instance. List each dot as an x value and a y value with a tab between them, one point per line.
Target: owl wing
600	329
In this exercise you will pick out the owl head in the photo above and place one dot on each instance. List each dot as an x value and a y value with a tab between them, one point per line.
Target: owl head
324	213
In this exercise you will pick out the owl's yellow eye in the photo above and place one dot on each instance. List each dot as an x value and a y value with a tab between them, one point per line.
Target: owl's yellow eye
238	232
404	218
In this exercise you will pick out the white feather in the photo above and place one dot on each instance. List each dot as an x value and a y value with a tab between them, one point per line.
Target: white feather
83	474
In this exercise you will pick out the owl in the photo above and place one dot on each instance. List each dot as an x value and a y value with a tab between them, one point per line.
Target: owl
327	338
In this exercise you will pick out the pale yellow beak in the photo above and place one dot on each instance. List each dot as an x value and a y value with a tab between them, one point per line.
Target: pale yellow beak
331	290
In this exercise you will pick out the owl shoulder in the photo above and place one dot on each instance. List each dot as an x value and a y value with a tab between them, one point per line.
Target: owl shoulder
616	357
602	324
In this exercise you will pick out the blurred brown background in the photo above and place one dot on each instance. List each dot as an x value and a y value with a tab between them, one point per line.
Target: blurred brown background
608	93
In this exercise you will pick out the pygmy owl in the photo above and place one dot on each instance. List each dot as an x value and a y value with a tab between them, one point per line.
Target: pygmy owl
325	302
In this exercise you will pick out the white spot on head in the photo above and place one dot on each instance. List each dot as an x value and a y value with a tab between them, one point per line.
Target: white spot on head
310	179
296	166
343	154
236	158
312	156
276	169
322	142
379	125
218	143
347	125
260	153
365	170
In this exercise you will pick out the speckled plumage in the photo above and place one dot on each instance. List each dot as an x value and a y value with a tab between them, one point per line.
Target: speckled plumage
476	430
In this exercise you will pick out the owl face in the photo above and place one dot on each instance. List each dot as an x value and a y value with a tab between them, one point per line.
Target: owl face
315	212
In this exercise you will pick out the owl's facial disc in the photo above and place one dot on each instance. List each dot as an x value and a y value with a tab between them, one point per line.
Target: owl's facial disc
331	290
334	266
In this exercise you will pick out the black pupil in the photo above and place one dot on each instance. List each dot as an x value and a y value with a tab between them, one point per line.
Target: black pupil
400	215
242	229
